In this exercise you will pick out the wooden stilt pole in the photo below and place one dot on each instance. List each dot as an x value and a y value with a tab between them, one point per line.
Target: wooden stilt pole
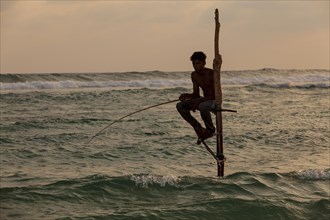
217	62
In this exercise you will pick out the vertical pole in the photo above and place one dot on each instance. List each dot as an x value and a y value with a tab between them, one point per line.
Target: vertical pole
217	62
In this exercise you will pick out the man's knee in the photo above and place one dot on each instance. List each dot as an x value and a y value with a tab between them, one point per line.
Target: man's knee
182	107
179	106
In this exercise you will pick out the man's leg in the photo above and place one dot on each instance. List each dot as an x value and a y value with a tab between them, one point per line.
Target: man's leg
205	108
184	109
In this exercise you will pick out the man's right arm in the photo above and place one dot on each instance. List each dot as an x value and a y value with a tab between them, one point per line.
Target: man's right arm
195	93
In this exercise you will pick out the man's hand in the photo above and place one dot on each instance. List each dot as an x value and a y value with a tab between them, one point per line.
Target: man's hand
217	61
184	96
188	96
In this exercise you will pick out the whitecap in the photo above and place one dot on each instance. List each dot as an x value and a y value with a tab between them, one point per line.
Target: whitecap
313	174
146	180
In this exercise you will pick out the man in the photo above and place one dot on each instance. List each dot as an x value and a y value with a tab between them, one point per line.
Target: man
201	78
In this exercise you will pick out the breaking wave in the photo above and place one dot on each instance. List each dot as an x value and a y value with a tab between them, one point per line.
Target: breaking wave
156	79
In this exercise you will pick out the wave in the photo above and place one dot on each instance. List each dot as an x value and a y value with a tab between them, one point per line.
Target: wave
292	85
155	79
146	180
70	84
153	84
186	197
312	174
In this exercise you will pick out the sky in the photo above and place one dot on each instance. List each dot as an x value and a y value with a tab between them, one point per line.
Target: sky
54	36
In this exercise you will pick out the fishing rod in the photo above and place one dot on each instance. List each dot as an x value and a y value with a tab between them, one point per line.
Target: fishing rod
119	119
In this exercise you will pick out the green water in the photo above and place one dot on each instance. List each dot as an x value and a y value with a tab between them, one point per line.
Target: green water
149	167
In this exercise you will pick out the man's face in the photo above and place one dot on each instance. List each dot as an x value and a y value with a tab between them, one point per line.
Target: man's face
198	65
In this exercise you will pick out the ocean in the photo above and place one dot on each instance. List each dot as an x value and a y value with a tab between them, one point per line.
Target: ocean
148	165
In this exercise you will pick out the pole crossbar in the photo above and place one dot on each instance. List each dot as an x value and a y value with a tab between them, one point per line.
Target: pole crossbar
225	110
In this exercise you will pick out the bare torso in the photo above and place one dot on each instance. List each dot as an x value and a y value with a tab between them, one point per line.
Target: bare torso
205	80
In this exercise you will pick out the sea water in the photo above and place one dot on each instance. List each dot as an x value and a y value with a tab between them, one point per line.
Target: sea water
148	165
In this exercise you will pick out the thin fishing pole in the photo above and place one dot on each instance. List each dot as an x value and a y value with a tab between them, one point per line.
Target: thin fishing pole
119	119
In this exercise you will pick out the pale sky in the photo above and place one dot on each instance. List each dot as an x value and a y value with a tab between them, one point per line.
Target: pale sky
53	36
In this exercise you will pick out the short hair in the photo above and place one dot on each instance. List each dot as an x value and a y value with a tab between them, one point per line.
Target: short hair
199	55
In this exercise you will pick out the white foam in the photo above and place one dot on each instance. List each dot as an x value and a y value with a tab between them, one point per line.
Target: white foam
278	79
71	84
313	174
281	79
146	180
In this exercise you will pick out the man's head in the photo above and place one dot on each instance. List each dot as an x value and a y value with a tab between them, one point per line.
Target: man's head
198	60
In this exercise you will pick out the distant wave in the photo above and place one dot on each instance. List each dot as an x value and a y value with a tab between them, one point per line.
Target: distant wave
269	77
70	84
160	83
294	85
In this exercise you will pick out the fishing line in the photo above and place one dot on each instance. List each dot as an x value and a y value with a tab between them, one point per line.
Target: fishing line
119	119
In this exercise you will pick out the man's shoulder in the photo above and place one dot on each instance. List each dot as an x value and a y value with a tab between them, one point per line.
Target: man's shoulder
208	70
205	70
